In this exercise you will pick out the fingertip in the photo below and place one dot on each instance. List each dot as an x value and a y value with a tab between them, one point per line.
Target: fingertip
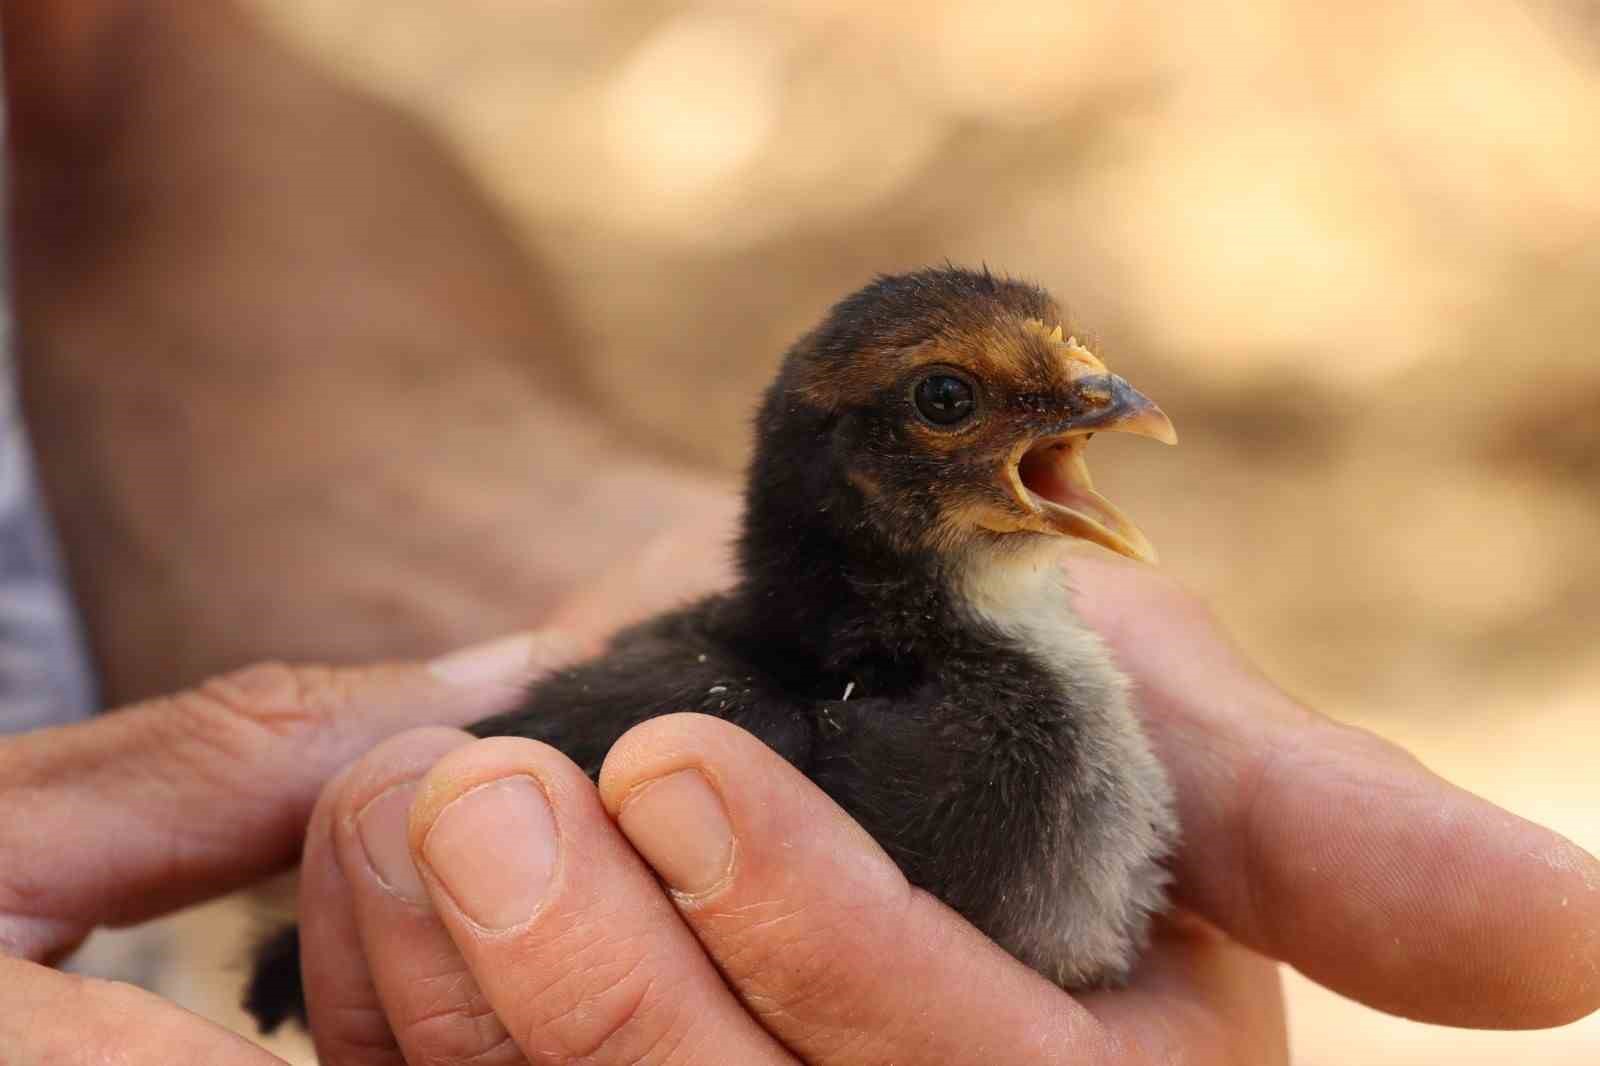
1559	953
568	934
485	761
513	662
1363	869
1500	927
1525	922
668	743
763	794
803	907
1386	883
403	757
495	828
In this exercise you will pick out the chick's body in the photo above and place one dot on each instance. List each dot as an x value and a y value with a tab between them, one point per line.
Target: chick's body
986	745
897	638
901	630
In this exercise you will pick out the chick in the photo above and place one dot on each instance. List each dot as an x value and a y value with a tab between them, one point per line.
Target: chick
901	630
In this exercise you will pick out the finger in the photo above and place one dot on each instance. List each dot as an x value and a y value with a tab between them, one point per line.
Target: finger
813	925
412	978
182	798
824	940
1199	999
568	934
364	929
1333	850
817	931
48	1017
345	1017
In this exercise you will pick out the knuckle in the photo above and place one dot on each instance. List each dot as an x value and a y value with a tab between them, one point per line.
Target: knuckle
798	966
778	950
607	1003
353	1032
277	697
229	715
453	1022
607	1020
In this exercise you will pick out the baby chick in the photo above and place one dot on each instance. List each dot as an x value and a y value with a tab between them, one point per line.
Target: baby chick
901	630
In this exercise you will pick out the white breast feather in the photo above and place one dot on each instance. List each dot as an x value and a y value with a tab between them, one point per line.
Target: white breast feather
1084	916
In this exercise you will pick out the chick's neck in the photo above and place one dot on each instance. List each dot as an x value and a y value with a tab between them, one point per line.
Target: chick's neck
825	597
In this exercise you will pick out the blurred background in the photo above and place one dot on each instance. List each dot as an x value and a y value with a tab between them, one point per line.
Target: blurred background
1357	253
1353	249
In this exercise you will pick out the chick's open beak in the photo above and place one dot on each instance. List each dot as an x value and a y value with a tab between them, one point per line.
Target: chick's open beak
1051	479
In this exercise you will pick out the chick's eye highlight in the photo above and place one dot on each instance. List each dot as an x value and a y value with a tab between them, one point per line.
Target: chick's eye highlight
944	399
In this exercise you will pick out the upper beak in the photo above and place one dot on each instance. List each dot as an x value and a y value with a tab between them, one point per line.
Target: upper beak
1124	409
1052	480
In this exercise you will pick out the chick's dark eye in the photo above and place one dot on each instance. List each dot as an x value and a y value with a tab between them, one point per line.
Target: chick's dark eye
944	399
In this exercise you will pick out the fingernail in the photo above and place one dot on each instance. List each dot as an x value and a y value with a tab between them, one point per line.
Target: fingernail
680	827
382	828
513	660
494	850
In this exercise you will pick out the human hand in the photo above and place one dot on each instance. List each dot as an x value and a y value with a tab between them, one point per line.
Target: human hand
482	901
1329	848
180	799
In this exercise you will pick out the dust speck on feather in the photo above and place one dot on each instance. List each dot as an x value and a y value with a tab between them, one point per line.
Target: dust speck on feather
717	690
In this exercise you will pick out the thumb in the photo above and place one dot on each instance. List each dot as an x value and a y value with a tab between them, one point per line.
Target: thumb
178	799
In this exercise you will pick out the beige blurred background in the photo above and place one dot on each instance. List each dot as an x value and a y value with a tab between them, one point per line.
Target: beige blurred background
1353	249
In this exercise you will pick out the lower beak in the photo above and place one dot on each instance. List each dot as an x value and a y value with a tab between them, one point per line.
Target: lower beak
1051	478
